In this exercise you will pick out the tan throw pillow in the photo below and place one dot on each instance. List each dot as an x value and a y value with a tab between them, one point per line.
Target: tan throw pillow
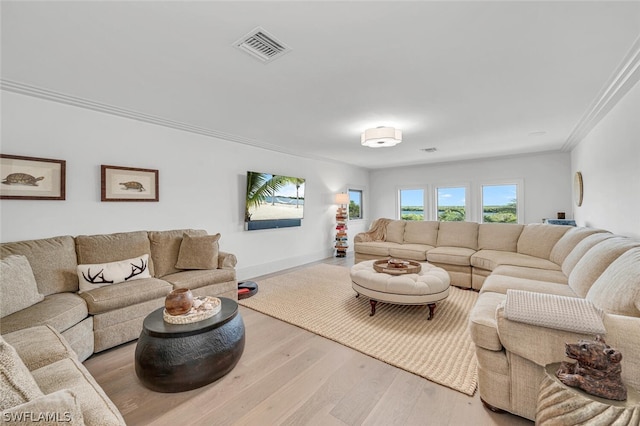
101	274
198	252
17	384
17	285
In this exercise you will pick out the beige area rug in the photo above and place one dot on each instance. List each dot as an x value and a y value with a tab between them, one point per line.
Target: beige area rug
320	299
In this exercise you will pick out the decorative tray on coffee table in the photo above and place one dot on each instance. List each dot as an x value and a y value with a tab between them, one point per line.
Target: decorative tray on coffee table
397	266
203	307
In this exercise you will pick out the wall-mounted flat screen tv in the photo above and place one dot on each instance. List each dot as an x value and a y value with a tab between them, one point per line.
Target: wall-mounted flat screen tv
273	201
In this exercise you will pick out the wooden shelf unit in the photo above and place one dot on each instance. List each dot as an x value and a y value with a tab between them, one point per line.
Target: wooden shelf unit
342	241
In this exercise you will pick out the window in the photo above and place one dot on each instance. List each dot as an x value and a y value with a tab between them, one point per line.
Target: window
500	203
451	204
355	204
412	204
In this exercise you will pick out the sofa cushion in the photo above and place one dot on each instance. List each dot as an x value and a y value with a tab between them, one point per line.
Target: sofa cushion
113	247
482	321
61	311
17	285
165	247
395	231
198	252
63	403
491	259
200	278
410	251
552	276
568	242
69	373
458	234
53	261
101	274
39	346
502	283
499	236
538	239
375	248
421	232
581	249
17	384
451	255
129	293
617	290
595	261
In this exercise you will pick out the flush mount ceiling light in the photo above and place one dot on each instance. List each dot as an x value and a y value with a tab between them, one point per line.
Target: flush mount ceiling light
381	137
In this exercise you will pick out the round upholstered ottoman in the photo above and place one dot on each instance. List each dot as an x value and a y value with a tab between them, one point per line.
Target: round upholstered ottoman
427	287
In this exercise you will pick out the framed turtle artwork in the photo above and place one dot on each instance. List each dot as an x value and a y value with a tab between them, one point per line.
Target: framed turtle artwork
31	178
128	184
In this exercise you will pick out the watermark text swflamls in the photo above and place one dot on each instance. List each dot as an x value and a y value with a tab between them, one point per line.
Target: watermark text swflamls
36	417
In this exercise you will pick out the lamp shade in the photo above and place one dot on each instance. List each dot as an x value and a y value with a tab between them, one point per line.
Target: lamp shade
381	137
342	198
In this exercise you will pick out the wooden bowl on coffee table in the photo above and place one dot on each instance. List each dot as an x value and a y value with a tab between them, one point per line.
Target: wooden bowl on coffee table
397	266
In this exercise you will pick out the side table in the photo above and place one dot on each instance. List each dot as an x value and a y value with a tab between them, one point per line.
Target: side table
181	357
563	405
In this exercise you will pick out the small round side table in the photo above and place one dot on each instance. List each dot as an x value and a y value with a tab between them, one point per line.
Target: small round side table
559	404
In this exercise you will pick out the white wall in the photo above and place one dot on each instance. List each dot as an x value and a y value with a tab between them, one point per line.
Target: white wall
609	160
546	179
201	182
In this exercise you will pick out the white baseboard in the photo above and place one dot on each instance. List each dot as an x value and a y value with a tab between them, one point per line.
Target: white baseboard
249	272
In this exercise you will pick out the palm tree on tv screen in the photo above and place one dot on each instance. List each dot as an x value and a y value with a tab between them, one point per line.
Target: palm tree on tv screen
261	186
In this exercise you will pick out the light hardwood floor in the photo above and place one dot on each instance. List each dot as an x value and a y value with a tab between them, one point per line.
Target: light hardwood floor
289	376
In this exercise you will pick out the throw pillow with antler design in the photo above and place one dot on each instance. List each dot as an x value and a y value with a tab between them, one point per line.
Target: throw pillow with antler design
101	274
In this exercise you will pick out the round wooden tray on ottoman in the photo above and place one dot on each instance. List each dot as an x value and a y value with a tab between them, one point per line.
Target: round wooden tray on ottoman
180	357
397	266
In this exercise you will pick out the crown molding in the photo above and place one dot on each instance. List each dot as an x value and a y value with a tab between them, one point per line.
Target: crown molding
623	79
50	95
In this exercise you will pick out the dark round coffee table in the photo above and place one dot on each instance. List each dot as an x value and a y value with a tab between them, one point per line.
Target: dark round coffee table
180	357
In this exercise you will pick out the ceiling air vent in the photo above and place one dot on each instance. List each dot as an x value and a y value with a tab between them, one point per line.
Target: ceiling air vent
262	45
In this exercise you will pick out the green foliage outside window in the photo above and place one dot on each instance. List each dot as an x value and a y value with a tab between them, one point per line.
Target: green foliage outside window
452	214
412	213
500	214
354	210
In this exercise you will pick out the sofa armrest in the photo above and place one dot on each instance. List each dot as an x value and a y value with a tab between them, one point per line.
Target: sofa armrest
541	345
59	408
623	333
227	260
553	311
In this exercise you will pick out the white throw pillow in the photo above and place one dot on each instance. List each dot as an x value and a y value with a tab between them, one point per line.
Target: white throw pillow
18	286
102	274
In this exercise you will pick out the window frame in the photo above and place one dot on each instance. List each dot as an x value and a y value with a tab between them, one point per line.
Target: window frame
425	200
467	199
519	184
360	190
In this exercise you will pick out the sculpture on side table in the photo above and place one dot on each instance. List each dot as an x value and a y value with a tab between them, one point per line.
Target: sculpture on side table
597	370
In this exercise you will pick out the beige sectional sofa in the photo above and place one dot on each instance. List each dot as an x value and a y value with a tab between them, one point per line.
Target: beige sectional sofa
43	296
534	267
107	316
470	251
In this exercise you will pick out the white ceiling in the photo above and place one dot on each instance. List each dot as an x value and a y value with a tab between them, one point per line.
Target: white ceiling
473	79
